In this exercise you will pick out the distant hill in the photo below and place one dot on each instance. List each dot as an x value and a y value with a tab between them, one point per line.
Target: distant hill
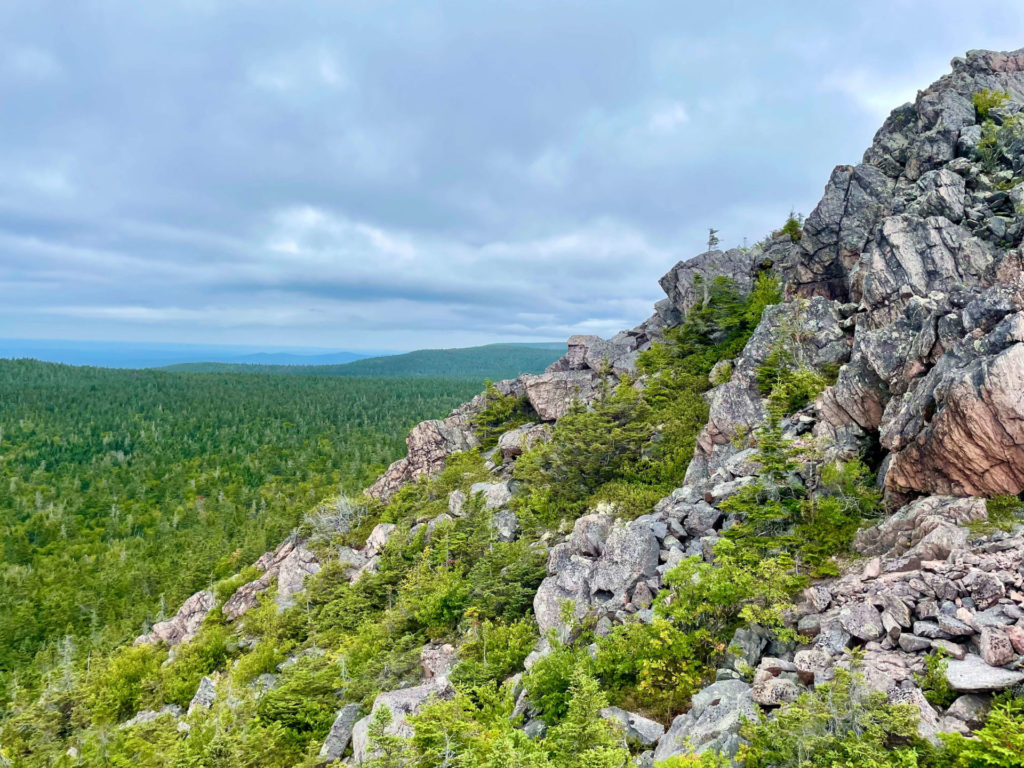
124	354
491	361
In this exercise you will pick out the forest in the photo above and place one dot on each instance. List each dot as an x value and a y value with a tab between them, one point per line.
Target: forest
122	492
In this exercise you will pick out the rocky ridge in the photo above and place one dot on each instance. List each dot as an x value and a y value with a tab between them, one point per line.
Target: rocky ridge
908	279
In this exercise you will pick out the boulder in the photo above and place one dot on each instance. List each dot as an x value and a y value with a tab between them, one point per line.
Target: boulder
553	394
712	723
295	568
437	661
340	734
995	647
736	264
637	729
505	524
494	495
292	559
862	620
513	443
204	697
973	675
378	539
402	703
929	529
429	444
971	709
184	625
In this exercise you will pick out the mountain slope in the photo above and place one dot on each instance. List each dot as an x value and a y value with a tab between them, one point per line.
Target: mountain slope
776	524
494	361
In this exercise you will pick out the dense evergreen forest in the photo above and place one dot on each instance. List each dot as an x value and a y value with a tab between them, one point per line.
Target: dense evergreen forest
495	361
122	492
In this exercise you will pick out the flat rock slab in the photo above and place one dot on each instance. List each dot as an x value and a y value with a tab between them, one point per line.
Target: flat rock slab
973	675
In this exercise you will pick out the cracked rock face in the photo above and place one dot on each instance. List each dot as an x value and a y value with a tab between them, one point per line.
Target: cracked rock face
430	443
735	264
552	394
402	703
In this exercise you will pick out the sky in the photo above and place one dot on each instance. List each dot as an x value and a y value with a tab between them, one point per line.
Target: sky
397	175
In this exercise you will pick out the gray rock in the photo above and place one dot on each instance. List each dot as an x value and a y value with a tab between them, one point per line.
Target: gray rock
402	703
456	501
712	723
971	709
995	647
913	643
589	533
678	283
291	576
340	734
437	661
429	443
862	620
951	649
973	675
494	495
505	525
637	729
378	539
205	695
149	715
513	443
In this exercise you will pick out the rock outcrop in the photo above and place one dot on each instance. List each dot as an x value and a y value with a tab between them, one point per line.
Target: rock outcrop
289	564
184	625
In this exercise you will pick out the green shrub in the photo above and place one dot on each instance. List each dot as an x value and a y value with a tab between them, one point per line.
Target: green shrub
840	723
793	227
1003	513
192	661
501	413
127	682
986	100
493	651
933	680
999	744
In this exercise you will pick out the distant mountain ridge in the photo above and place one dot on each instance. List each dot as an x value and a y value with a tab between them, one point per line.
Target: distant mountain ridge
493	361
127	354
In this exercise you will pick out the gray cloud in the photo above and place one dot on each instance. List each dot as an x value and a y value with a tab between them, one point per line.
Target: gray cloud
404	174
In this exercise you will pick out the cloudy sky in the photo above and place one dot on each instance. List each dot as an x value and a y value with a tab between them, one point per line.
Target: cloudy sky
393	175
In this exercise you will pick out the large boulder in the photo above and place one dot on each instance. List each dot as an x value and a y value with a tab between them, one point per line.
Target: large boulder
184	625
552	394
973	675
430	443
600	569
928	529
712	723
678	283
340	734
402	703
513	443
637	729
